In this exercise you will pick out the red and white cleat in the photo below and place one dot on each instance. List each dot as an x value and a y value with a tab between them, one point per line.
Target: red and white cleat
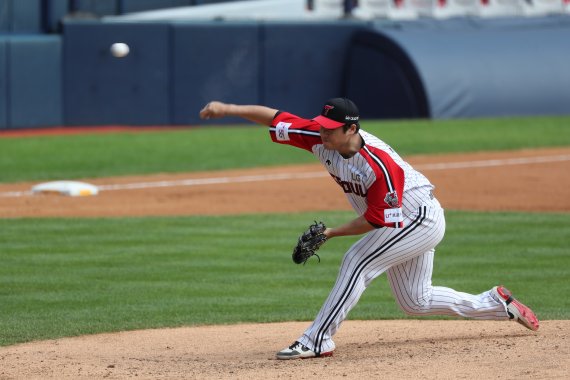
517	311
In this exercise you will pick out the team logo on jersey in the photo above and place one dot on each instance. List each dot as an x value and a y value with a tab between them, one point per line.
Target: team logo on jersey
391	199
327	109
350	187
328	162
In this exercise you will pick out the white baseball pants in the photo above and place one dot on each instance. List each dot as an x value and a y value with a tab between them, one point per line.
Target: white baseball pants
407	255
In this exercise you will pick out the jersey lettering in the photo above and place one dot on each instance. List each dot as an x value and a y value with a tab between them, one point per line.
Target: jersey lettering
282	131
374	179
350	187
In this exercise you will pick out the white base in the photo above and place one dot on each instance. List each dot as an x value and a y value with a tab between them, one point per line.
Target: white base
70	188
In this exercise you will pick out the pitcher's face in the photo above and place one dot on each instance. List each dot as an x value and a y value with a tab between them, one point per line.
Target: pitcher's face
336	139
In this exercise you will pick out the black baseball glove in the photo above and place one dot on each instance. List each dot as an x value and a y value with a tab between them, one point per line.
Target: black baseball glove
309	243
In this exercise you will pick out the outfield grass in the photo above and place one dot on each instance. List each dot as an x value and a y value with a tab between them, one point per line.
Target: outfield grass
214	148
65	277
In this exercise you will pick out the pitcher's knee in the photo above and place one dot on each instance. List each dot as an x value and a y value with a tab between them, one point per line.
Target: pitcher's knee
415	305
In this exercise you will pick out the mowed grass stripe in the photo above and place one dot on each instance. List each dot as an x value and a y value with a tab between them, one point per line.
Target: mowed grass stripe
66	277
215	148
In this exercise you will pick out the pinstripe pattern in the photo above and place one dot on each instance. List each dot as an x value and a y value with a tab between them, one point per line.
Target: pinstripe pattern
356	277
414	178
411	286
357	165
407	256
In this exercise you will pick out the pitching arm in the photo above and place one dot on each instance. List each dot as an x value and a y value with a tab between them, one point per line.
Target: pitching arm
258	114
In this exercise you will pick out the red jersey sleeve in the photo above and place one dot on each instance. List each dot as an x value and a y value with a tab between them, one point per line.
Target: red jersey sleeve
293	130
384	198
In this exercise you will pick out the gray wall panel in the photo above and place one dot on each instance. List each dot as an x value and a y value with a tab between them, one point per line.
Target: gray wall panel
102	89
4	100
35	81
303	64
214	61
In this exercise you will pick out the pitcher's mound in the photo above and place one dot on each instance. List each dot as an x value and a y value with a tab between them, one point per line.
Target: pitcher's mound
406	349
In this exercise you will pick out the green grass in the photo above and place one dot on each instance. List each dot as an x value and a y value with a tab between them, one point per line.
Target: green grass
65	277
214	148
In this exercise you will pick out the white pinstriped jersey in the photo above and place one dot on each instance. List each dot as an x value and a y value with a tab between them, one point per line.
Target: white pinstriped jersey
374	180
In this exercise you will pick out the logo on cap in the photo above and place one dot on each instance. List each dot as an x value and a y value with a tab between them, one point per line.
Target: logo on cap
337	112
327	109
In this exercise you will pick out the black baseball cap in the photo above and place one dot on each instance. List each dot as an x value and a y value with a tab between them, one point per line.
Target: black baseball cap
338	112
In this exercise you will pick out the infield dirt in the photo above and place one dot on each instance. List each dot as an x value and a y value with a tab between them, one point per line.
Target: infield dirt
404	349
491	181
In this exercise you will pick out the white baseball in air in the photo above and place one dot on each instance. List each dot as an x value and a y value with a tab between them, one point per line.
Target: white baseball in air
120	49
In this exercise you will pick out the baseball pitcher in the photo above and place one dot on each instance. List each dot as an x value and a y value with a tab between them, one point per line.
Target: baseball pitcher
400	219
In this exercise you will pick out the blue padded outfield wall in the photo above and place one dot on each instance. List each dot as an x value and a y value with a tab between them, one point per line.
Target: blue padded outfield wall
426	68
3	84
462	68
278	65
102	89
230	71
20	16
457	68
304	64
30	81
173	70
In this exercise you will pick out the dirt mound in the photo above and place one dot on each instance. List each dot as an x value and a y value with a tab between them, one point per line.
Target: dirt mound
407	349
